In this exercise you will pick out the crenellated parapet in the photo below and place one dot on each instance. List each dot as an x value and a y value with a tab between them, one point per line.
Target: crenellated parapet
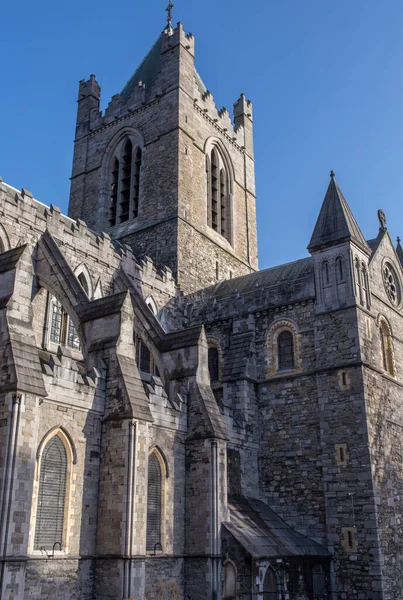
25	218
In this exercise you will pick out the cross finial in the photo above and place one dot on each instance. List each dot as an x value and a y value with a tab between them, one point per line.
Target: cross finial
169	11
398	240
332	174
382	219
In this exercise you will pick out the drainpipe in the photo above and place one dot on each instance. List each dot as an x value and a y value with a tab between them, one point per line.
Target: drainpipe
8	478
215	545
128	541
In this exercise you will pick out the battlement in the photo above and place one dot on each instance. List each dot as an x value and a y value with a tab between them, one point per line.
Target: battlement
25	218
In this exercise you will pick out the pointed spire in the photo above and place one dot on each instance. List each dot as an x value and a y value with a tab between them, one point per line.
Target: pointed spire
399	251
336	222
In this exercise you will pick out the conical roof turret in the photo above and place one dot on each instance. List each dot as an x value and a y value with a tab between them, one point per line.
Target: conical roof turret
336	222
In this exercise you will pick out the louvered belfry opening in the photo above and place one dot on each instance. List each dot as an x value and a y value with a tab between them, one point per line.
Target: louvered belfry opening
114	192
126	177
51	495
154	498
285	344
218	194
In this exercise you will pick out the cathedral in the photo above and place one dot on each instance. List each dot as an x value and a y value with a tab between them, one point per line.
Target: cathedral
174	423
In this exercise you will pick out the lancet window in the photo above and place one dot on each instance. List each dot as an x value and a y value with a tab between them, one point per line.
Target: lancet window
50	512
218	193
125	182
154	504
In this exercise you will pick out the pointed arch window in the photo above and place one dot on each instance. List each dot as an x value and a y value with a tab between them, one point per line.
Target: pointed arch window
386	347
125	182
50	513
154	504
214	364
285	348
218	193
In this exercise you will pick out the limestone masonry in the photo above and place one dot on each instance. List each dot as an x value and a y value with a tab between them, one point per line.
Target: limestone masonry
174	423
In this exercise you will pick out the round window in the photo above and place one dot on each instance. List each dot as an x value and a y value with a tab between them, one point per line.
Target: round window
391	284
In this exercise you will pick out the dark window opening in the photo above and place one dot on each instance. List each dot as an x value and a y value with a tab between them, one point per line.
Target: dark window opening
285	343
84	283
344	378
214	364
350	539
342	454
51	496
339	268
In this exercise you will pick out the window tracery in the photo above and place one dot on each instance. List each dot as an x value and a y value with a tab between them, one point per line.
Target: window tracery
391	284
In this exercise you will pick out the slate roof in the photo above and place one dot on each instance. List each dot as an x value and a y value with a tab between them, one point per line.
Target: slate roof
149	69
268	278
336	222
10	258
264	534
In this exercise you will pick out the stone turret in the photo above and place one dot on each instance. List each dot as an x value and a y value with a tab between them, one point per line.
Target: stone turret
340	254
161	206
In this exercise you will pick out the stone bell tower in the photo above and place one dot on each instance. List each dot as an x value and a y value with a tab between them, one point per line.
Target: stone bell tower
166	172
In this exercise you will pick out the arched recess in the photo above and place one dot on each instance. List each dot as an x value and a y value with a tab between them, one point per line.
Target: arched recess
4	240
386	345
51	501
215	360
277	329
271	584
109	166
230	580
84	278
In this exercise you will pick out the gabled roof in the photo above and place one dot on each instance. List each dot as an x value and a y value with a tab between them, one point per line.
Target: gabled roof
150	68
147	71
336	222
264	534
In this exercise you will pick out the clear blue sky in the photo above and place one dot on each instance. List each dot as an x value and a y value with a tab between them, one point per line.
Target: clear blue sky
325	78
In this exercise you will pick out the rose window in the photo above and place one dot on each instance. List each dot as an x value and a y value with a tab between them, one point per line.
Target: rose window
391	284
